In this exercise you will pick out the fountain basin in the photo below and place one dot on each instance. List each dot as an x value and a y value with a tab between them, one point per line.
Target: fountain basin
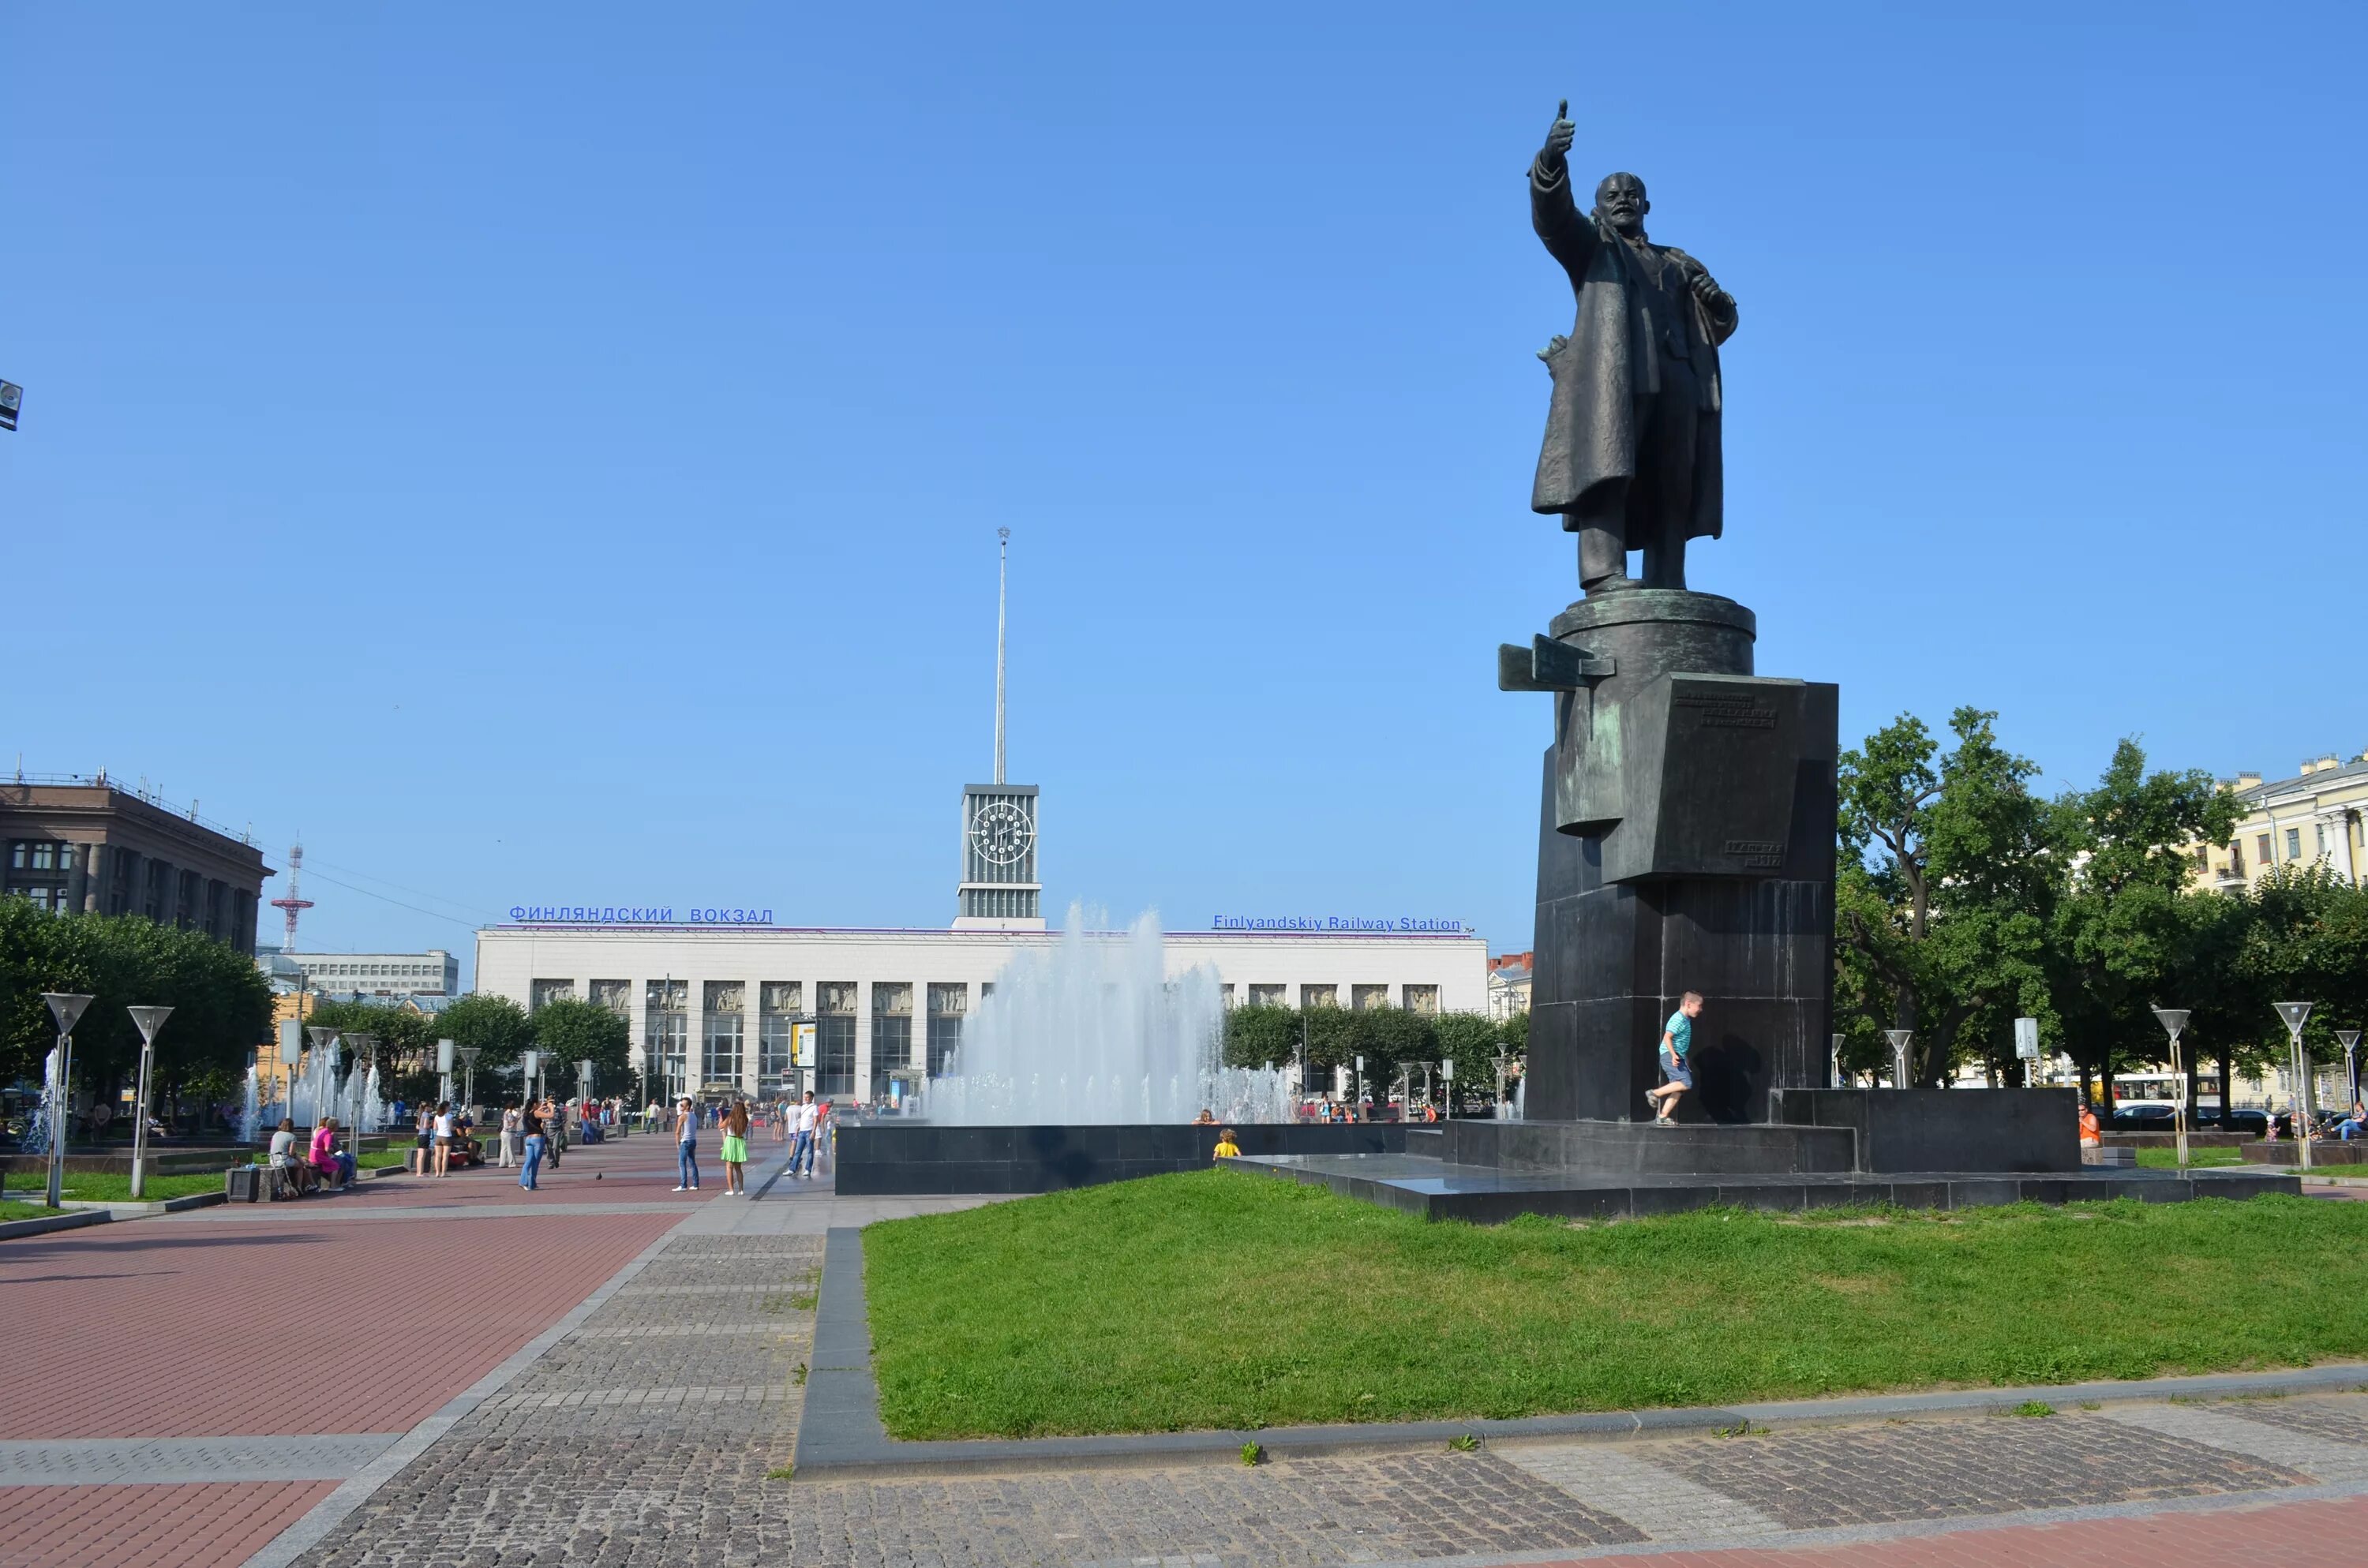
876	1159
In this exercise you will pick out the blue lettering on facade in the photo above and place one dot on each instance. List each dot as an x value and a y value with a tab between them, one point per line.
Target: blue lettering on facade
634	915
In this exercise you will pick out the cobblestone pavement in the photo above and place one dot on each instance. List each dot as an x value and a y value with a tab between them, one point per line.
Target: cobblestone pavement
654	1422
657	1433
227	1402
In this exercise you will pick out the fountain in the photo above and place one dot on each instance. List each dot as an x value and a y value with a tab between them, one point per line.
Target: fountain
36	1138
1093	1031
250	1112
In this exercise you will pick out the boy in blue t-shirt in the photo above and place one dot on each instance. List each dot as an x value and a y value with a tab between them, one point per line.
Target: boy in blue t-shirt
1677	1059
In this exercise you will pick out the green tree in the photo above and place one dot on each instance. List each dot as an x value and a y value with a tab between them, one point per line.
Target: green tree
574	1030
1261	1035
2120	931
222	1004
1471	1040
497	1026
1944	883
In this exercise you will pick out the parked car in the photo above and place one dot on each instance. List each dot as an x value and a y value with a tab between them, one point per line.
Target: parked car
2144	1116
2252	1123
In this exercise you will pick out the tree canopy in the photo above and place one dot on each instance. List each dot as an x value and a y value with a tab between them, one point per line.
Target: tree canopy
1965	900
222	1003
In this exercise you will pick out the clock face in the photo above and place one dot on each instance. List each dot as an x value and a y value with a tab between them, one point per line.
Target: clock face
1001	834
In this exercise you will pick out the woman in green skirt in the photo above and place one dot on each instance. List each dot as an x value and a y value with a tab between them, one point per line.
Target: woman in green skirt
736	1150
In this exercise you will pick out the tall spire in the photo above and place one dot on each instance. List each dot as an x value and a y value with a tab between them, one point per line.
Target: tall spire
1002	591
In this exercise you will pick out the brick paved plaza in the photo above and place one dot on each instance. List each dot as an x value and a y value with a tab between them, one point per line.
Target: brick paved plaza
606	1372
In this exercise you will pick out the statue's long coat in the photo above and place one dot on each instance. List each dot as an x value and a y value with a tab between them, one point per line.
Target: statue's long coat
1611	362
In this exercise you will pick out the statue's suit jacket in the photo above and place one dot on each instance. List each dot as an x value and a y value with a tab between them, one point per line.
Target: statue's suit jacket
1611	363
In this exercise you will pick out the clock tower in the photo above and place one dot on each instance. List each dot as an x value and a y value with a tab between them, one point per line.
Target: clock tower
999	890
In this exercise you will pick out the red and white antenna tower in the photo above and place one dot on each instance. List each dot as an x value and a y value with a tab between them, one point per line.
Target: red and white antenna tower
291	903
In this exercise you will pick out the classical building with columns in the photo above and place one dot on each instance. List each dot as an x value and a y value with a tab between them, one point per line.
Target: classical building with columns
94	846
2313	818
721	1007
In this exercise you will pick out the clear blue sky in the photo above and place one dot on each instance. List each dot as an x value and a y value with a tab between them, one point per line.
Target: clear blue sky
554	453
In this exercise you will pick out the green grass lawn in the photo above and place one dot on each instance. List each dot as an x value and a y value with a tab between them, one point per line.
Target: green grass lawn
1220	1299
2168	1159
380	1158
93	1186
12	1209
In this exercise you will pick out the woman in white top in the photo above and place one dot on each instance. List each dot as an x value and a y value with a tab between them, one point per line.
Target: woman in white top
443	1138
509	1135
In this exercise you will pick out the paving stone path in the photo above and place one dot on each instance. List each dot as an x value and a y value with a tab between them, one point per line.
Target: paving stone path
650	1423
658	1433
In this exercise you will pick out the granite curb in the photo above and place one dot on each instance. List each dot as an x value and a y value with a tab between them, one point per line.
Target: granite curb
72	1220
840	1435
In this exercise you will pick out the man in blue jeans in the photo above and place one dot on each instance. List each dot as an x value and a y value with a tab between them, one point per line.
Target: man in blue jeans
805	1115
1677	1059
687	1145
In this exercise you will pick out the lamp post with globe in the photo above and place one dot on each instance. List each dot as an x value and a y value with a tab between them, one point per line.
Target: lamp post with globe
2174	1021
2350	1040
2293	1015
65	1007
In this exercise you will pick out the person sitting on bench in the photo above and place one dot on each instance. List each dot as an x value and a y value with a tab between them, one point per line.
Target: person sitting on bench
332	1163
289	1174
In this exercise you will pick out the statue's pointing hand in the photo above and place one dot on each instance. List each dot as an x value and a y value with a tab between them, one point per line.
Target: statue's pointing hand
1558	137
1707	288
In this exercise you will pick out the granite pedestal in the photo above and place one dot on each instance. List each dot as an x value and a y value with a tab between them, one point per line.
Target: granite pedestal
1685	843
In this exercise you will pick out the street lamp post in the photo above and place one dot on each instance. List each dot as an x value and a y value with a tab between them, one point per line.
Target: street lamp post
364	1058
149	1019
2295	1015
1837	1079
468	1055
2350	1040
65	1007
1899	1040
2174	1022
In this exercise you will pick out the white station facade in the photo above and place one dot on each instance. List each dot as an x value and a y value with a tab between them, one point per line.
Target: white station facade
723	1000
720	1006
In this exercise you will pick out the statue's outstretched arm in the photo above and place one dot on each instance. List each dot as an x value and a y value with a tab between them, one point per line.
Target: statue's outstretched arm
1568	235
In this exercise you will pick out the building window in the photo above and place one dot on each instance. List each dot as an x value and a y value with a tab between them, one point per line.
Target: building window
892	1034
543	992
778	1002
1365	998
947	1005
1421	999
2319	833
1319	995
667	1033
1269	997
720	1040
835	1038
1226	993
2293	844
2262	842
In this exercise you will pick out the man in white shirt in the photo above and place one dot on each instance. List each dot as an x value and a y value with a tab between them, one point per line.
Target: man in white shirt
802	1151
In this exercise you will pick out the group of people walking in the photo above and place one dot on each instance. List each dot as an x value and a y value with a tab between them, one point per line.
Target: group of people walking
808	1119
